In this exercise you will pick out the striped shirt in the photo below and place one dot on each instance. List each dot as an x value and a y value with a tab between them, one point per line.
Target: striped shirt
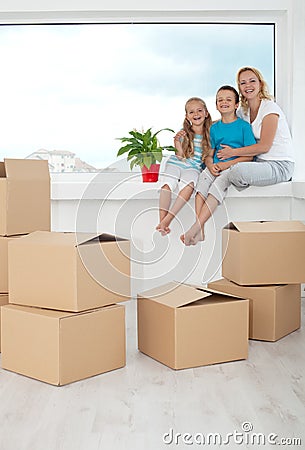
195	161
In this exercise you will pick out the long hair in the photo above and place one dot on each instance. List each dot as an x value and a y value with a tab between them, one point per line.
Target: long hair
187	144
263	93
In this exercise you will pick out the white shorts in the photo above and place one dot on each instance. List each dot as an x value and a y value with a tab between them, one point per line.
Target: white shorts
175	176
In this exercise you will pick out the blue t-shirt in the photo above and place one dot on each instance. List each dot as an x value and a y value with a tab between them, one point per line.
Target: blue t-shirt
235	134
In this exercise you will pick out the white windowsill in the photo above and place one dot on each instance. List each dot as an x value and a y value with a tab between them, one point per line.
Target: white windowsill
121	186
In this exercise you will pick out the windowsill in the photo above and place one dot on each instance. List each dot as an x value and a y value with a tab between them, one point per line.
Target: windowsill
122	186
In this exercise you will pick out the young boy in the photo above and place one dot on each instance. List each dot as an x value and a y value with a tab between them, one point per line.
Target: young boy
210	191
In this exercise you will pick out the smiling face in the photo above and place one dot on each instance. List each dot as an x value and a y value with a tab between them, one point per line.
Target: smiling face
196	112
226	102
249	84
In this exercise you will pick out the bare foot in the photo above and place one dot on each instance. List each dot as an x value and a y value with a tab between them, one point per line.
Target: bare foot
193	235
163	226
198	237
163	230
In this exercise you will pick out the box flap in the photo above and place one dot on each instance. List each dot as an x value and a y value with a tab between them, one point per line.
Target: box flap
27	169
175	294
209	289
267	226
85	238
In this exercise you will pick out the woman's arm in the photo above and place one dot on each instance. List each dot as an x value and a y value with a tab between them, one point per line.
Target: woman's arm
268	130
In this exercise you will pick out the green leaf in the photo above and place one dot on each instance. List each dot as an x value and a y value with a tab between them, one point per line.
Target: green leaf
125	149
163	129
147	161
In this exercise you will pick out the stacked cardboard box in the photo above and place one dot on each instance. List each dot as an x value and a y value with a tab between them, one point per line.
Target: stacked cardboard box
264	262
60	322
63	322
24	207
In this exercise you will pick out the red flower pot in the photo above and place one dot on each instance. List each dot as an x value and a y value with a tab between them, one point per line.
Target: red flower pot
150	175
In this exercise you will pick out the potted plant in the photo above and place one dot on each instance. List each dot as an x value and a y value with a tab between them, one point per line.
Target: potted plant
144	150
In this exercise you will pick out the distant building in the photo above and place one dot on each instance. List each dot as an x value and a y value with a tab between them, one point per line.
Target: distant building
62	161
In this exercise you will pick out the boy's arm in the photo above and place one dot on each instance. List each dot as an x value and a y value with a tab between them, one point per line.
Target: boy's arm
226	164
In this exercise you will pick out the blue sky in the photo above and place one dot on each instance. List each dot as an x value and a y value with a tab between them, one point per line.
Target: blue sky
79	87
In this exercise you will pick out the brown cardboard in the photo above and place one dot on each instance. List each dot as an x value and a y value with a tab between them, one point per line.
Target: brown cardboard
3	301
68	272
260	253
4	262
274	311
59	348
24	196
182	326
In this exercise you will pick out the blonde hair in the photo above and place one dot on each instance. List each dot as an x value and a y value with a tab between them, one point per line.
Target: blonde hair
187	144
264	91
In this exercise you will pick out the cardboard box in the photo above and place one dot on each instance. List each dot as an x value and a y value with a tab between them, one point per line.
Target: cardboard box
275	311
3	301
4	262
260	253
182	326
24	196
59	348
68	272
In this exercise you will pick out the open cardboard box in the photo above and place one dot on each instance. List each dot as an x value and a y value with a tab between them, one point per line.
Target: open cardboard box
68	271
275	311
25	202
3	301
59	347
184	326
260	253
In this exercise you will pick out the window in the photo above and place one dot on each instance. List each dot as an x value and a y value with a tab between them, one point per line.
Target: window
78	87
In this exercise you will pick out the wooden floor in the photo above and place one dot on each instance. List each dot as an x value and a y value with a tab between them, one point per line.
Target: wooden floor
134	407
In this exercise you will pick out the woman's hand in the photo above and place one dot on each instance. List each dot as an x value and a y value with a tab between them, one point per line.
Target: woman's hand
226	152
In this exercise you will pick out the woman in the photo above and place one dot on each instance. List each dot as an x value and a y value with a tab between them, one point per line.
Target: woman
273	152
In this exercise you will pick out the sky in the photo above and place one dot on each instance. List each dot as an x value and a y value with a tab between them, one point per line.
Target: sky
80	87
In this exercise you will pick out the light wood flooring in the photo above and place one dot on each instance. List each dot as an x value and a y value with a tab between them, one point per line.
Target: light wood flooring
132	408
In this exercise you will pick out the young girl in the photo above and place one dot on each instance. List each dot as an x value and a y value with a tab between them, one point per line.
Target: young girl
192	144
229	130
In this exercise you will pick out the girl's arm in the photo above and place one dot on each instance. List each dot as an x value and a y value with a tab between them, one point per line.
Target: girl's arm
213	168
268	130
178	143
